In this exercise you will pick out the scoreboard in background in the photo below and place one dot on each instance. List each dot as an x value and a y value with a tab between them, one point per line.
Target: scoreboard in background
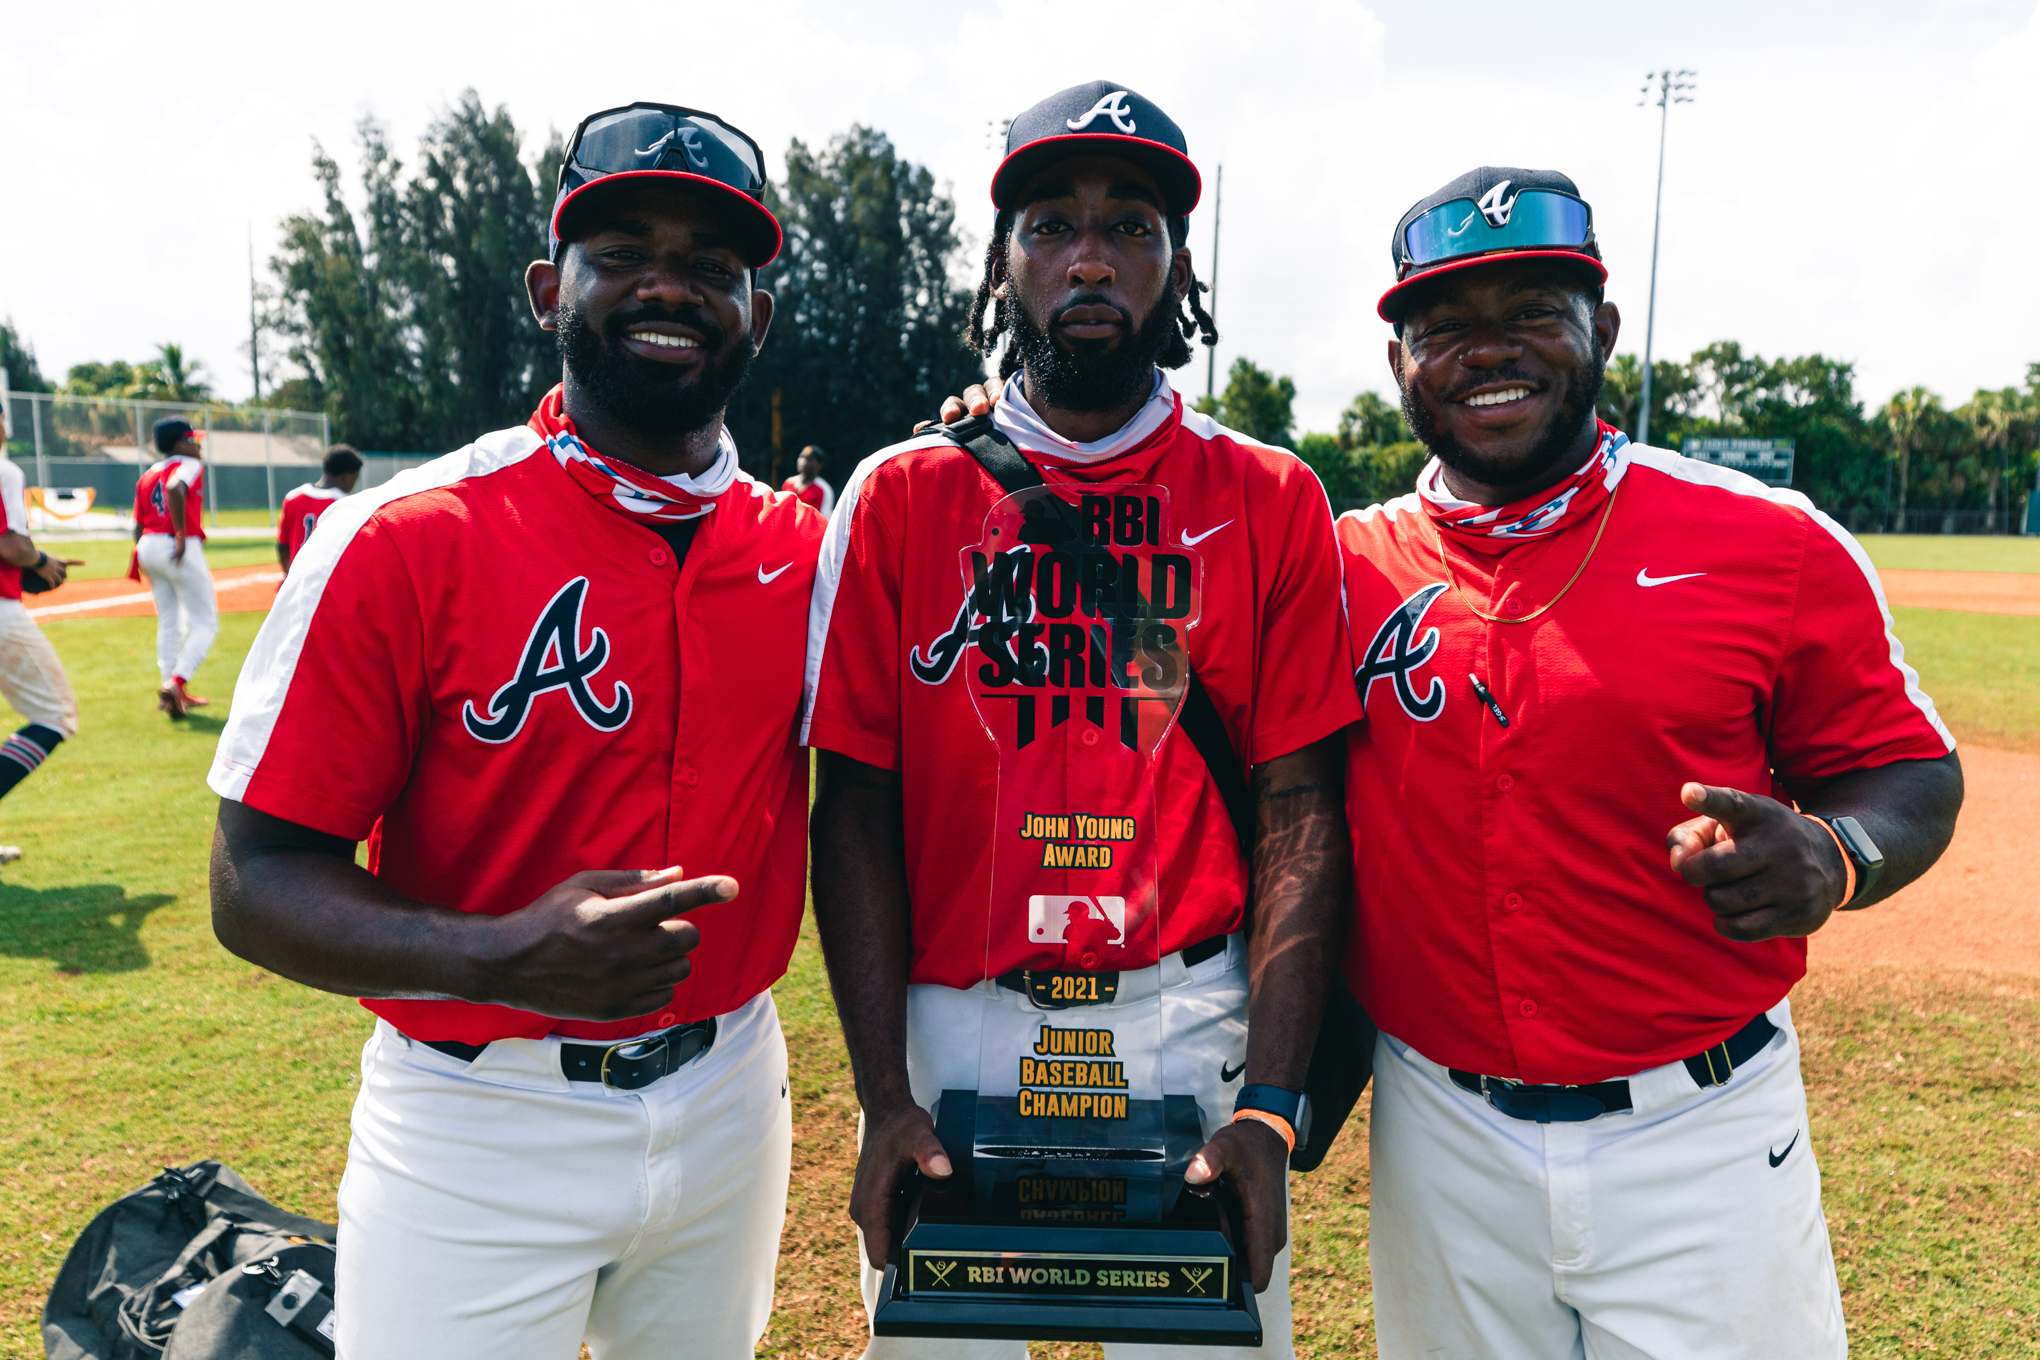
1767	460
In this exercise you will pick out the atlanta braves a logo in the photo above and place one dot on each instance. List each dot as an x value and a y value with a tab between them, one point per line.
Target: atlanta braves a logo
552	660
1113	106
1397	632
1494	207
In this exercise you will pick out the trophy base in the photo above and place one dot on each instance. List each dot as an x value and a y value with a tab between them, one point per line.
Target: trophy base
1002	1281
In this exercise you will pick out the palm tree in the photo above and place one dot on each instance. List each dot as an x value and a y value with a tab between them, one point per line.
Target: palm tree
1905	415
171	377
1995	416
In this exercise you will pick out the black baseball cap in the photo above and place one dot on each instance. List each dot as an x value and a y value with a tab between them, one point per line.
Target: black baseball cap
1489	215
666	141
1102	118
171	431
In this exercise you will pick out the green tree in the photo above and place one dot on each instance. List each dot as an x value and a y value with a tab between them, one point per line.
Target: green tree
99	380
1671	386
17	357
473	216
1908	416
169	377
339	302
868	317
1372	420
1256	403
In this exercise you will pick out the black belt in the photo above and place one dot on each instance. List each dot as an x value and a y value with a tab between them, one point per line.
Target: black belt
627	1066
1570	1104
1055	991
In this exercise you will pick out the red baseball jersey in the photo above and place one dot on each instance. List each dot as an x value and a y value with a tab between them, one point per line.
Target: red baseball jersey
510	682
13	519
817	493
1179	509
1515	915
301	511
152	496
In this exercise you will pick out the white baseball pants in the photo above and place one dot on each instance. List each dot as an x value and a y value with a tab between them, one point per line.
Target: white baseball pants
1687	1229
496	1209
1204	1033
187	615
31	677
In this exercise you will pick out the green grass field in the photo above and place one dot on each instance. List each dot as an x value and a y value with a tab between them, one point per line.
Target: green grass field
129	1039
1951	552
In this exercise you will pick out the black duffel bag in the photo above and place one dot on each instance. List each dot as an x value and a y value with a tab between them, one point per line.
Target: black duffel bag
195	1265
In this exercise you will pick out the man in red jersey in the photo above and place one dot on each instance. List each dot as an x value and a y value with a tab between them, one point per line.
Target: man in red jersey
1597	679
170	554
530	673
303	506
941	715
807	483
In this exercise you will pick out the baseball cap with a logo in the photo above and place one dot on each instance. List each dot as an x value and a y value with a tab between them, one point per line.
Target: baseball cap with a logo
1489	215
665	141
1101	118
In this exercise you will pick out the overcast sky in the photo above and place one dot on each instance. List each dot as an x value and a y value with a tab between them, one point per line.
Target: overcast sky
1856	177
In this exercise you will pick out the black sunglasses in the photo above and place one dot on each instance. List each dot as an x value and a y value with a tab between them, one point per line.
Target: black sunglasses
645	136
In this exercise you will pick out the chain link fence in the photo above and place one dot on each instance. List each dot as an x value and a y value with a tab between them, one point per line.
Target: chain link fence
253	455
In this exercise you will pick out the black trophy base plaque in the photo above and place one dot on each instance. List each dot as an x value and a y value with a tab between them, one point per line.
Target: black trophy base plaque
1062	1271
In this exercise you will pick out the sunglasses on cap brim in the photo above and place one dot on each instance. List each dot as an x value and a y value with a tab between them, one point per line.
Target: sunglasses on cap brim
1534	218
665	137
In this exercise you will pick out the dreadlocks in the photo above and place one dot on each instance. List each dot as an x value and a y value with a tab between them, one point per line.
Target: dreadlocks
1191	318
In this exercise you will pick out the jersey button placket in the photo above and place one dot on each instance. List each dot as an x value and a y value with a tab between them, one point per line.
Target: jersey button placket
659	557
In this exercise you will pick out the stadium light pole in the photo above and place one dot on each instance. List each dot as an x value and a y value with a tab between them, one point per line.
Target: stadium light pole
1671	87
1211	350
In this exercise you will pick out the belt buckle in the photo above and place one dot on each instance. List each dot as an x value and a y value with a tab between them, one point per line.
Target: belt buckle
657	1044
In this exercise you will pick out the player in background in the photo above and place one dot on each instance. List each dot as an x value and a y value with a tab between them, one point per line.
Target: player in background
303	506
553	678
1087	275
1635	726
170	552
31	677
807	482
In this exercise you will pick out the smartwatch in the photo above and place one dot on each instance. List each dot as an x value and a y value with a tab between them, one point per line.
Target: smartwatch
1862	852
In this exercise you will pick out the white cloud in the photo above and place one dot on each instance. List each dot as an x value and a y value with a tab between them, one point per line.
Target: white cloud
1855	178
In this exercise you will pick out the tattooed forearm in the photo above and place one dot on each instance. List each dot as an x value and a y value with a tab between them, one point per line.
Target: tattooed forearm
1301	901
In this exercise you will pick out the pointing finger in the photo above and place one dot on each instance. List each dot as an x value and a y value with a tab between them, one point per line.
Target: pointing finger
671	899
1734	809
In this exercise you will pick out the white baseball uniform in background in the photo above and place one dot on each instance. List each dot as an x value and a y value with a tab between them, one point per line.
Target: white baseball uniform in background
187	614
31	677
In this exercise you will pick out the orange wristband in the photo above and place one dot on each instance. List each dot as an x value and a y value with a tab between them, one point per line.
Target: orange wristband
1848	863
1273	1121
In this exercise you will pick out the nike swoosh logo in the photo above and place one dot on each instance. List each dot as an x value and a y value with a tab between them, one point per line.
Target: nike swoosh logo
1778	1158
1645	579
1192	540
1226	1074
766	578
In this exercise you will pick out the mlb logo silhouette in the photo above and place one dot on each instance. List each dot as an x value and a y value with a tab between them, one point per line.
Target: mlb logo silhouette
1050	918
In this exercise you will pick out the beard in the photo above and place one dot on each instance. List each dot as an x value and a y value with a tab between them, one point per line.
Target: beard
645	396
1093	375
1554	443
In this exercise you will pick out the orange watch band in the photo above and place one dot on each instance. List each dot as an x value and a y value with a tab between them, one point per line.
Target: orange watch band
1273	1121
1848	860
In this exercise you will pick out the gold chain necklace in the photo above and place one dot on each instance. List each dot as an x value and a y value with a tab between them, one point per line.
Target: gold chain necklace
1446	567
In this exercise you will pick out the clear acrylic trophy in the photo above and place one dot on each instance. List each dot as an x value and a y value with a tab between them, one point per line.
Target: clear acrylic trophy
1067	1217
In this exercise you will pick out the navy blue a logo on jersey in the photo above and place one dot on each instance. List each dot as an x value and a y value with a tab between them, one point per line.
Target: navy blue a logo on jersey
552	660
1397	636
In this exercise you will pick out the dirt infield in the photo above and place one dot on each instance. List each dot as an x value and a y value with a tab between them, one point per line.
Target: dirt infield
241	590
1978	907
1976	592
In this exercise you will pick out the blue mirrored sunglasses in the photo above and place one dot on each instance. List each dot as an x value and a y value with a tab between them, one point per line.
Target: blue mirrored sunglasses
1533	218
